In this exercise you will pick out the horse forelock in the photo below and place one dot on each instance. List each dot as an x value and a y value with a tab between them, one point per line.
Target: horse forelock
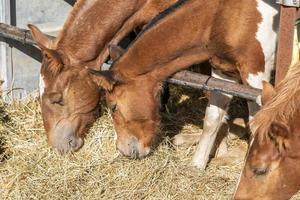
281	108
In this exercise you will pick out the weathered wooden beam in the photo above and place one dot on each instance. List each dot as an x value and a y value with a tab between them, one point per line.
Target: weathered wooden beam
285	41
204	82
185	78
18	34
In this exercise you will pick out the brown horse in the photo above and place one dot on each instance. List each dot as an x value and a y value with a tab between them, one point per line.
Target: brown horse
69	99
236	36
272	165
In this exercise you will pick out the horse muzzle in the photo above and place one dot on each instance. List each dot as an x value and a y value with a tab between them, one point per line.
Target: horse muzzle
132	148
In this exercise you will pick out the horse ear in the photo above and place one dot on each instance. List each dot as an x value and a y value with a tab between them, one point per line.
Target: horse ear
105	79
40	38
46	44
115	52
268	92
280	134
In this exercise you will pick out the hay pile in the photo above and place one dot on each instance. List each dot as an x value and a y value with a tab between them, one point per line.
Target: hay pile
29	169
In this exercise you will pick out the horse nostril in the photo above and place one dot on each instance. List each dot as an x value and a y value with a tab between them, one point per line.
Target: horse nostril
75	143
72	143
260	170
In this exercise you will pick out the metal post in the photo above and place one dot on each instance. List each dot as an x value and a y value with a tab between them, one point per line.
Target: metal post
5	53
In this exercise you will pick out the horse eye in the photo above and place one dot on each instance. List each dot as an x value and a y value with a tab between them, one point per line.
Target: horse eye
61	103
56	98
260	170
114	108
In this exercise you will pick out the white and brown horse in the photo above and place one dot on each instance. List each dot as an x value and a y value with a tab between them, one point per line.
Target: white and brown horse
237	36
69	99
272	165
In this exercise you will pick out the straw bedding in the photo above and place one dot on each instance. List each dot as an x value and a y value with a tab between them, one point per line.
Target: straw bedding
30	169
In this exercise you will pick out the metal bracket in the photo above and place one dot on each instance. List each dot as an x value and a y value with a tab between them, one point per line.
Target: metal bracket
291	3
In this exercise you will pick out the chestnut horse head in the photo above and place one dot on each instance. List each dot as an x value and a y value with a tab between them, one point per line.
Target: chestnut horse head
134	108
69	99
272	165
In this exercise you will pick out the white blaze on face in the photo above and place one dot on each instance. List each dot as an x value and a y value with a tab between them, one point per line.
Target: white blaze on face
267	36
41	85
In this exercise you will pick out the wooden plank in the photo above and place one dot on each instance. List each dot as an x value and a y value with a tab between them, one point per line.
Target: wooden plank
285	41
18	34
204	82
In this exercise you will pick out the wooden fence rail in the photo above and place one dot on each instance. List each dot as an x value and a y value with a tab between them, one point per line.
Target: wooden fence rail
185	78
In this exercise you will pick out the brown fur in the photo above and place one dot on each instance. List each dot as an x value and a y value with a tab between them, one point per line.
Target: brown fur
272	165
221	31
217	38
91	26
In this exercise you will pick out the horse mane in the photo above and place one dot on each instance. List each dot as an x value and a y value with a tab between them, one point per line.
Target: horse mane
163	14
154	22
282	107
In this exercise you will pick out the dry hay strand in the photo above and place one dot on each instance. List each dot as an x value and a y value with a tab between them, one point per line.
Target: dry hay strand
30	169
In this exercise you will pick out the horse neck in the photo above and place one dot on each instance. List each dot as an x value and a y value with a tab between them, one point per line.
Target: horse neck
167	39
90	26
195	24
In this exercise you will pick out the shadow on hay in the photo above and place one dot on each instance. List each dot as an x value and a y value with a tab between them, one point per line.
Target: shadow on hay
4	119
3	153
186	106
